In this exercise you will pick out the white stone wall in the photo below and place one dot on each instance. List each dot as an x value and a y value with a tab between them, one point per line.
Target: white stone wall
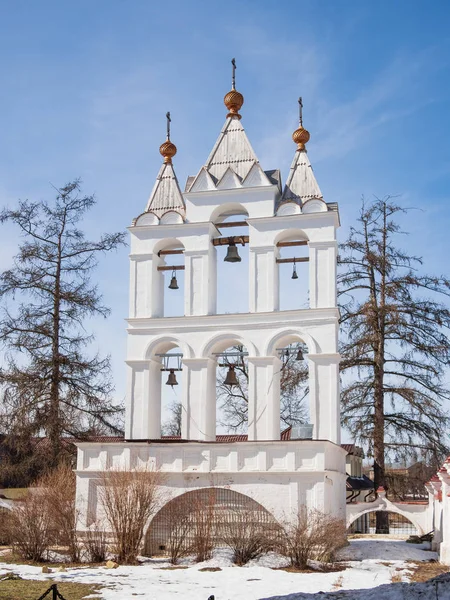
281	476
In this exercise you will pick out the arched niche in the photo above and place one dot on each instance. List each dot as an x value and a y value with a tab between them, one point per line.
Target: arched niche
147	218
219	504
171	217
288	208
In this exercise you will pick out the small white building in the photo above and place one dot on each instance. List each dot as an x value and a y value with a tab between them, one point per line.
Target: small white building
182	230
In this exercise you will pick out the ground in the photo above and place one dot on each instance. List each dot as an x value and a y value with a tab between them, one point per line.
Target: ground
367	564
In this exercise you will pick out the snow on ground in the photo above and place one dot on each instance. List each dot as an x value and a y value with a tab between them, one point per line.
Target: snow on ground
370	563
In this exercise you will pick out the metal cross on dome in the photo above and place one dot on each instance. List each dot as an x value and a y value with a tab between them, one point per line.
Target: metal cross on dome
169	120
300	111
233	76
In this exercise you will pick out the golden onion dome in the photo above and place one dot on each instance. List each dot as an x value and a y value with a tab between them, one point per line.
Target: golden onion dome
301	137
233	101
168	151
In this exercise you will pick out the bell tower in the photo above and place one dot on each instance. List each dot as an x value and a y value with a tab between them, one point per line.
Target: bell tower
189	227
231	205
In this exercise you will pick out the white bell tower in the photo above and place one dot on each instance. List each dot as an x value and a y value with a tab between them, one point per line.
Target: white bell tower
182	231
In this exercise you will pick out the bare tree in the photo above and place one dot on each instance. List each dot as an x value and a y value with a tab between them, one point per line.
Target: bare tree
49	383
203	524
129	499
395	345
172	426
233	401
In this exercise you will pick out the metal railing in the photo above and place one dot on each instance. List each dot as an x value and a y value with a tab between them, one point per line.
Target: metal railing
52	593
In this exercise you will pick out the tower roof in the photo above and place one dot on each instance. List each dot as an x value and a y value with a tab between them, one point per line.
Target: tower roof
166	194
301	184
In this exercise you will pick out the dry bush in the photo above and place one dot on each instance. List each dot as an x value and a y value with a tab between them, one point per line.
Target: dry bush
203	519
96	543
5	516
247	533
311	535
29	529
178	524
57	490
129	499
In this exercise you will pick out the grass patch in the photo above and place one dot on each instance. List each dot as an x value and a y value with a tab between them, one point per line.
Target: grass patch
210	569
326	568
12	558
173	568
28	589
423	571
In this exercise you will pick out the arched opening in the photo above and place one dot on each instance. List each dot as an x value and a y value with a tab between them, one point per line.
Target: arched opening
170	277
232	389
293	270
166	389
295	409
232	259
182	519
396	524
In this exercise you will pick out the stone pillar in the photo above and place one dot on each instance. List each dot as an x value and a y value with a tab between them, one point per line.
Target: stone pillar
264	397
263	279
199	399
324	396
143	415
200	282
322	274
146	286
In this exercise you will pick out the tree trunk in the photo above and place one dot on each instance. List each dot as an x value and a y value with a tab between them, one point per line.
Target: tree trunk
54	425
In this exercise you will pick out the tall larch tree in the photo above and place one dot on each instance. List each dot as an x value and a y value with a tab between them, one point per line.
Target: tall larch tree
49	381
395	344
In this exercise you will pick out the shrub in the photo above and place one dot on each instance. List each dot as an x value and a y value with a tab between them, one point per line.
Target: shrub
96	544
311	535
57	490
203	520
29	528
247	533
129	499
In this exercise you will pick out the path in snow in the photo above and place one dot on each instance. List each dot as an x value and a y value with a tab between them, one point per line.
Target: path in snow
373	562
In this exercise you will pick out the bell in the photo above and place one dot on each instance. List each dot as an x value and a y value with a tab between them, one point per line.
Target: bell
172	379
231	378
173	285
299	355
232	254
294	272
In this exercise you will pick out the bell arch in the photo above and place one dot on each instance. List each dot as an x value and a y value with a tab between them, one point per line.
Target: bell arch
220	506
231	256
168	267
293	273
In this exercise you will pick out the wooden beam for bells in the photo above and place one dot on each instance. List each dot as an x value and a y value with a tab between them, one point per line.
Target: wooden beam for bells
293	260
172	268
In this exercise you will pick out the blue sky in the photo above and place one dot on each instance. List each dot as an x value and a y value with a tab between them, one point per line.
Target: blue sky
85	87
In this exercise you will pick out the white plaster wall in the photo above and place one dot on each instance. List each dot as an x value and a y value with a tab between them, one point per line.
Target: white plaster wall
281	476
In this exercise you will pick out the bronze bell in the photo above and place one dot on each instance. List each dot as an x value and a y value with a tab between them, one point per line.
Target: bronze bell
173	285
232	253
294	272
299	355
231	378
172	379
